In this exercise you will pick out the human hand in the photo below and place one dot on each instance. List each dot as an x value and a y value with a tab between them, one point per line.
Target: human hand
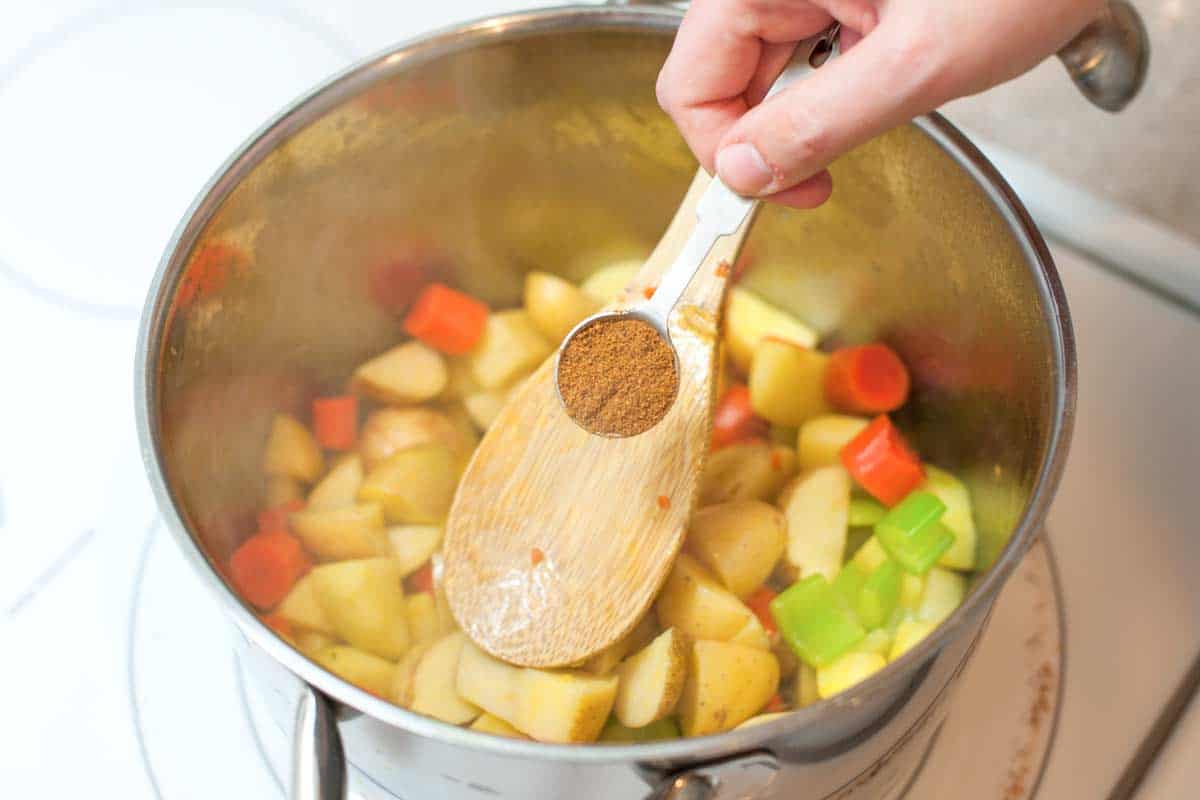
906	57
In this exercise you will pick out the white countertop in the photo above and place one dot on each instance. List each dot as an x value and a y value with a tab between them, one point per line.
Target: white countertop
113	114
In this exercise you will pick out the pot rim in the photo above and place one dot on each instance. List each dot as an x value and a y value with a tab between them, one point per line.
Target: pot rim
509	27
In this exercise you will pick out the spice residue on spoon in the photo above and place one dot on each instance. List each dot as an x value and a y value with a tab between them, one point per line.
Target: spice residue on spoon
617	377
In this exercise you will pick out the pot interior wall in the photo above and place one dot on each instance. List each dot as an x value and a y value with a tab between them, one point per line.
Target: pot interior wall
549	152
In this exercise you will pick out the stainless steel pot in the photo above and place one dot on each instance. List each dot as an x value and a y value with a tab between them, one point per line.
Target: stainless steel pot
533	141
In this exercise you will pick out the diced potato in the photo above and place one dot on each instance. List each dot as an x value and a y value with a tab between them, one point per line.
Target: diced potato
615	732
339	487
822	438
406	670
414	485
911	589
651	680
483	407
511	346
878	641
908	634
787	382
607	659
413	545
420	610
292	451
408	373
944	592
366	671
489	723
564	707
434	683
870	556
759	719
460	380
849	670
749	319
957	517
301	609
336	534
816	507
282	490
753	634
364	600
739	542
488	682
726	685
555	305
607	283
313	642
806	686
746	471
390	430
693	601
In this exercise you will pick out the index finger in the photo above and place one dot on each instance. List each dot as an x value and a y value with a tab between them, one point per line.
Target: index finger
720	52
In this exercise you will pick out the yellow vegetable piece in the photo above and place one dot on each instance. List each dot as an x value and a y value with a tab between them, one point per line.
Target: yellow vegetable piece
822	438
408	373
489	723
390	430
727	684
607	659
870	556
911	589
420	610
484	407
414	485
817	506
806	686
787	382
413	545
340	485
555	305
944	592
434	691
511	346
740	542
608	283
291	451
849	670
693	601
336	534
878	641
312	642
908	634
746	471
460	380
364	600
651	680
301	609
366	671
761	718
958	516
749	319
406	670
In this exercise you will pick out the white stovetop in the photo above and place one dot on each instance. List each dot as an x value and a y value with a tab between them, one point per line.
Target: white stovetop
112	114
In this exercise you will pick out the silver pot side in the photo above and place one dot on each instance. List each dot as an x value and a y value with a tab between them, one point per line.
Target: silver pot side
533	141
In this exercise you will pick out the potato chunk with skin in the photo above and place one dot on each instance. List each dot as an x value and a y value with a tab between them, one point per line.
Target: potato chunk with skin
944	592
420	610
401	692
366	671
746	471
726	685
291	451
821	439
336	534
414	485
413	545
607	659
847	671
301	609
693	601
340	485
390	430
749	319
651	680
555	305
434	691
488	682
787	382
739	542
817	508
511	346
608	283
489	723
364	601
408	373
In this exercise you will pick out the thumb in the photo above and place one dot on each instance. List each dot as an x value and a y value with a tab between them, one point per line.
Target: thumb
884	81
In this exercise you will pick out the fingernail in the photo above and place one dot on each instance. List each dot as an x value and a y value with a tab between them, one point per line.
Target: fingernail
743	168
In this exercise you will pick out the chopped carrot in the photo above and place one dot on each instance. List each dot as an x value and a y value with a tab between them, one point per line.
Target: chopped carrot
335	421
776	460
775	704
537	556
266	566
422	579
882	463
868	379
209	271
734	419
648	292
278	624
664	502
760	603
393	285
275	520
446	319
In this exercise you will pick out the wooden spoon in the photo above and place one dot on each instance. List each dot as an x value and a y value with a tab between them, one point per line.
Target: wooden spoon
558	539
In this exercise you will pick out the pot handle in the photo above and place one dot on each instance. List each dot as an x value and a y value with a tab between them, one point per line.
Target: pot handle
318	760
1107	60
739	778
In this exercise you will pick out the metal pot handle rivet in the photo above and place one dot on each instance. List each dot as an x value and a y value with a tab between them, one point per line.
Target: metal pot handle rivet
1108	60
731	779
318	761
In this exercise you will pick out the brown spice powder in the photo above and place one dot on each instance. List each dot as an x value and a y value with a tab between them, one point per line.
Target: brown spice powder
617	377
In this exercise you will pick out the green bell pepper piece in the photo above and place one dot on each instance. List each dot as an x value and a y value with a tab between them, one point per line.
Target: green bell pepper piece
879	595
815	621
912	533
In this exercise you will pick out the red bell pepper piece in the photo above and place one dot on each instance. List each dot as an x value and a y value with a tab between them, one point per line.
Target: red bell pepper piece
882	463
335	421
446	319
868	379
422	579
734	420
760	603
